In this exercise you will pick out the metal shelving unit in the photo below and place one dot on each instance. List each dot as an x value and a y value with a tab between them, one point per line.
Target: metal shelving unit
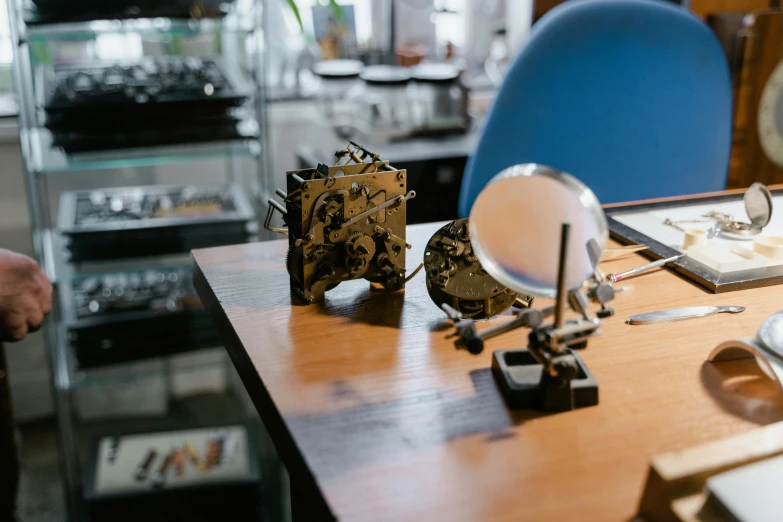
239	39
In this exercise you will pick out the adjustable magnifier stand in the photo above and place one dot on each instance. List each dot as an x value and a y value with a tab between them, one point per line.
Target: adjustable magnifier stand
549	375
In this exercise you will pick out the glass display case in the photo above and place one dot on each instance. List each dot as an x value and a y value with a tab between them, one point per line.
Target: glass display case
143	135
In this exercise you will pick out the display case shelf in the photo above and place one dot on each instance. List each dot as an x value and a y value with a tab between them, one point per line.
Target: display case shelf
59	270
237	39
44	158
31	28
70	377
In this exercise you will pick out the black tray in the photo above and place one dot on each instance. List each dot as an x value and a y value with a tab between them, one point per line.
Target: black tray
232	499
148	313
75	142
154	88
54	11
134	234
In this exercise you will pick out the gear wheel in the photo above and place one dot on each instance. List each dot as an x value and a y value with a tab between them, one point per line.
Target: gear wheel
359	251
294	262
457	250
463	232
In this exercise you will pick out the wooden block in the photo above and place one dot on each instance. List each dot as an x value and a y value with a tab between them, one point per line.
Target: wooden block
725	257
675	488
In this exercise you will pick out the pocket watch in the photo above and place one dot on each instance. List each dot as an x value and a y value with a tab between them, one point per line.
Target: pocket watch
758	205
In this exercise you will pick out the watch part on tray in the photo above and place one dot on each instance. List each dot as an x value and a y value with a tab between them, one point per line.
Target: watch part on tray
455	276
153	220
154	290
173	485
161	100
136	203
344	222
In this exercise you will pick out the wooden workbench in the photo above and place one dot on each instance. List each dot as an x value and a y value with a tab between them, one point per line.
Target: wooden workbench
378	418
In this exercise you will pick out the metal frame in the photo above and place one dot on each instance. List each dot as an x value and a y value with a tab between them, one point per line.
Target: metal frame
37	186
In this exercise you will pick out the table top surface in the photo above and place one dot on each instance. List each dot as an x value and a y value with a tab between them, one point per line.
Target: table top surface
365	397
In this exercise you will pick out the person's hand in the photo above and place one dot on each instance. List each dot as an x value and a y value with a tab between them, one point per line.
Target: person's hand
25	296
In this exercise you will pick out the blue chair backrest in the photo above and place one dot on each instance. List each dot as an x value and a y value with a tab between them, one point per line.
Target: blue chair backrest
633	97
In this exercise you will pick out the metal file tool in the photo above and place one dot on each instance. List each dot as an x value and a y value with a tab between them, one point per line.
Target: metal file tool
680	314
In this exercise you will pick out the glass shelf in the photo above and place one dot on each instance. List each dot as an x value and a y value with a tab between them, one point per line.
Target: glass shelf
233	22
69	377
58	269
44	158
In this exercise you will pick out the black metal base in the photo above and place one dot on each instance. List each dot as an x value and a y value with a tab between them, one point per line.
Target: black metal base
526	386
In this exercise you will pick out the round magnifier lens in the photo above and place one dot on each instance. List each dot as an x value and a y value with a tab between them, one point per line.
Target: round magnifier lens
516	222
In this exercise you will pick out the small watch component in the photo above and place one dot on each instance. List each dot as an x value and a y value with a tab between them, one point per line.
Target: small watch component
143	469
179	460
159	477
190	452
230	445
455	276
113	450
711	217
344	222
214	450
758	205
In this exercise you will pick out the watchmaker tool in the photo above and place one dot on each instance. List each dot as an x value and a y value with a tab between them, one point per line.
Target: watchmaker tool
190	452
143	469
179	460
681	314
214	450
344	222
159	477
610	254
614	278
113	450
766	348
455	276
758	205
549	374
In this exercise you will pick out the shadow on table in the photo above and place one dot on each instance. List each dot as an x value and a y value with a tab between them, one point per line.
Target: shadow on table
352	438
742	389
375	308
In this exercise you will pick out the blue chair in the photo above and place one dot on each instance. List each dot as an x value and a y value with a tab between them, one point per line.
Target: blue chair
633	97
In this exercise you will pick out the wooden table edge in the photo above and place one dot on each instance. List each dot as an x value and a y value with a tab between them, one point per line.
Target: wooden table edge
303	484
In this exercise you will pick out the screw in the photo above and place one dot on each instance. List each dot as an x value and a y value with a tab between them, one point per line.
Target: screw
401	176
305	186
309	237
311	299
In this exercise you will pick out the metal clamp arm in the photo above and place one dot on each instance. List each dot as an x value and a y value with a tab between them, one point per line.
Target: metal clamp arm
399	200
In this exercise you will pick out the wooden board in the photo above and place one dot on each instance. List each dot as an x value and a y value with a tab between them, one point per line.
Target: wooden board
378	418
763	50
676	486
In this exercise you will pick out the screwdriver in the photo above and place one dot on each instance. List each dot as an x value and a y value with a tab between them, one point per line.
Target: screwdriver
613	278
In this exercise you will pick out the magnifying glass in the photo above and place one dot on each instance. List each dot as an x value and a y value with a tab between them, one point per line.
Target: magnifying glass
516	223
